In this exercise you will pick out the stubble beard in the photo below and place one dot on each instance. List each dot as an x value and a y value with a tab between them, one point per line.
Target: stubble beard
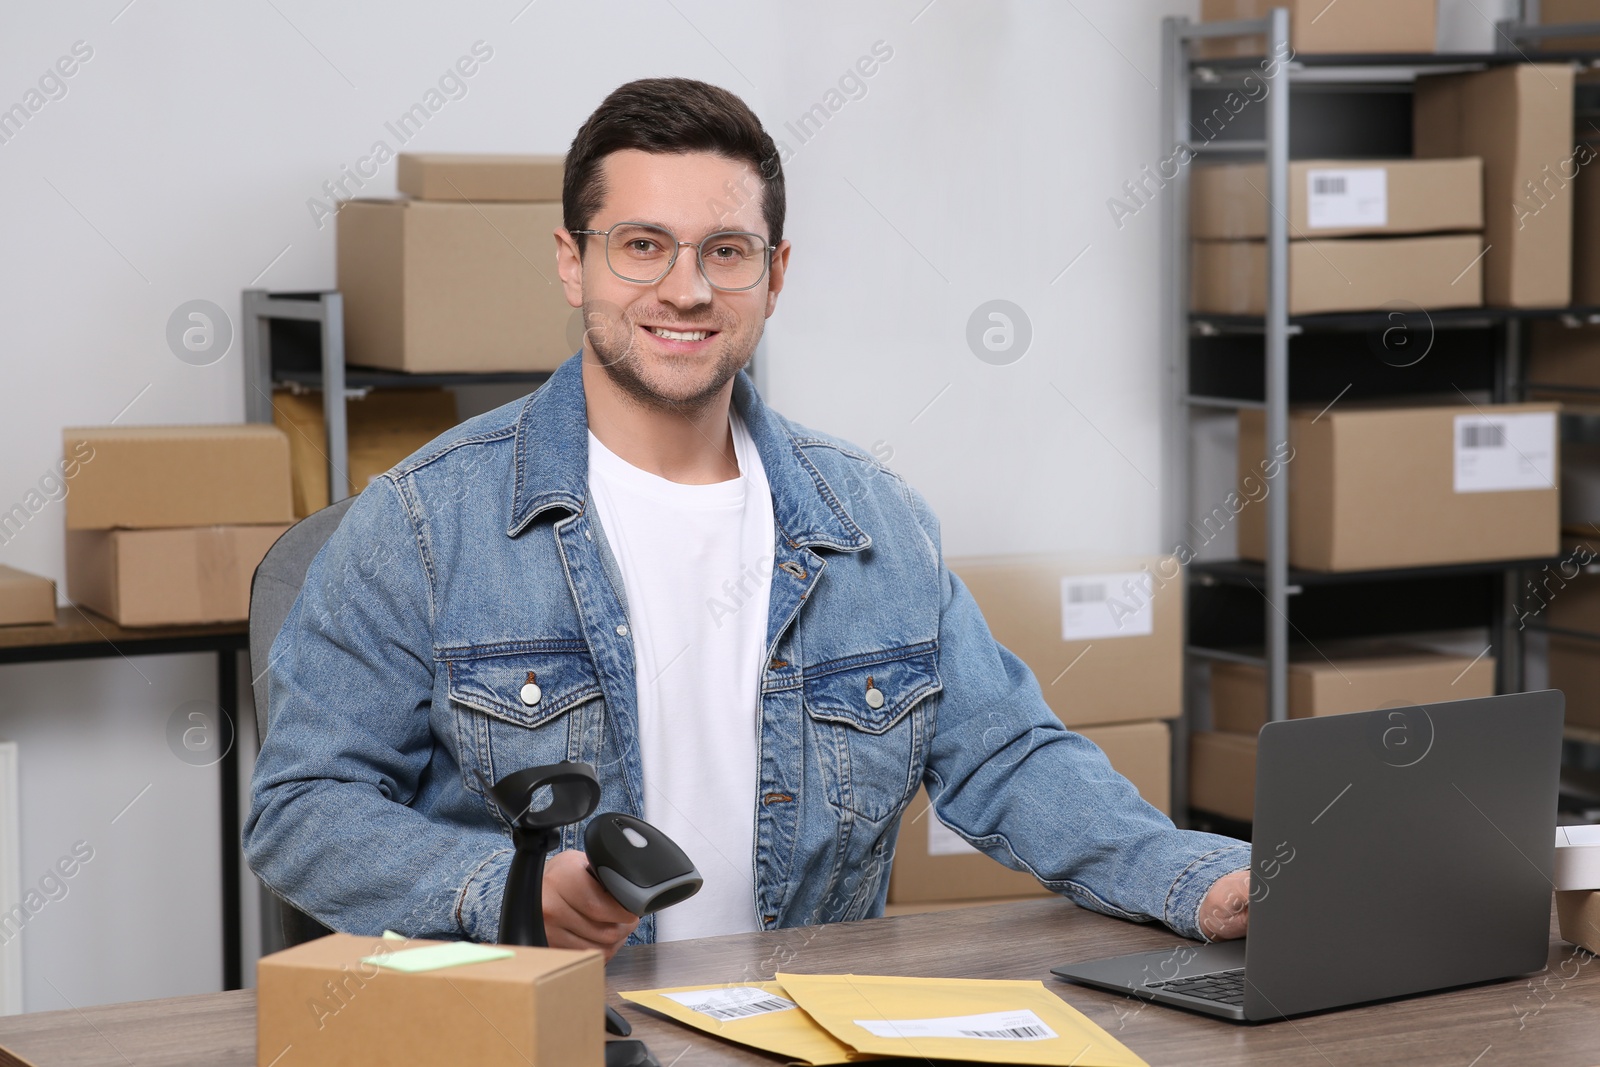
615	341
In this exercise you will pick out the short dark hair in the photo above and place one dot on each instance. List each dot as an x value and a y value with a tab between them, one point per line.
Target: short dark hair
669	115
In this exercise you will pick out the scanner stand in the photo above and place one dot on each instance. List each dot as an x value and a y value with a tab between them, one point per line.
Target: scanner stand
535	833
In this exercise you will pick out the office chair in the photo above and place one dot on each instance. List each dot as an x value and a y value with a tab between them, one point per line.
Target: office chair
276	583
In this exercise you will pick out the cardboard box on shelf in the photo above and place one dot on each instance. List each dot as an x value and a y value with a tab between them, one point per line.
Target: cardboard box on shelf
1563	12
1340	274
1335	198
1222	774
479	176
1559	354
1315	26
26	598
537	1007
382	428
1332	681
1103	636
161	476
167	577
934	863
433	286
1372	487
1575	670
1518	118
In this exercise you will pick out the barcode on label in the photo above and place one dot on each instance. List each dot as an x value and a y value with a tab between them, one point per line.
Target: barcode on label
1016	1033
1019	1025
1085	593
725	1005
1483	435
743	1011
1328	185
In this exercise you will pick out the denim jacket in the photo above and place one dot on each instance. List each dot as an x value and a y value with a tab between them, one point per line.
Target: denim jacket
478	563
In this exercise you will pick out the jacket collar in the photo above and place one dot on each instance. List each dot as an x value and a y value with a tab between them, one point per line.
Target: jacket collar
552	464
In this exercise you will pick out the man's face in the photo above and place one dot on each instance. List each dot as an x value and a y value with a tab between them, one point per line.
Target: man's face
692	195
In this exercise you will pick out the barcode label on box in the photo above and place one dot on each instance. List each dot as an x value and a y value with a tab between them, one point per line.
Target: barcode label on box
737	1002
1107	605
1502	453
943	841
1021	1025
1349	196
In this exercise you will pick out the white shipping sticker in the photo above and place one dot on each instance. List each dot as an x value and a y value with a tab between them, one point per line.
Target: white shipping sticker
739	1002
1021	1025
1507	452
943	841
1346	196
1107	605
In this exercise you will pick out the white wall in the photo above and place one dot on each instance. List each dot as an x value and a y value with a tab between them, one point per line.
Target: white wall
179	165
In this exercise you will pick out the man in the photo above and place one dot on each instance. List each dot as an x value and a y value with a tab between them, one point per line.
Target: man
744	625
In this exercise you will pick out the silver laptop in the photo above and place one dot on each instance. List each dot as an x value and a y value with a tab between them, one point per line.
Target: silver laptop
1394	852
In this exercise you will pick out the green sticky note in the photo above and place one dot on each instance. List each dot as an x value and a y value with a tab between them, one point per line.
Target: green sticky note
433	957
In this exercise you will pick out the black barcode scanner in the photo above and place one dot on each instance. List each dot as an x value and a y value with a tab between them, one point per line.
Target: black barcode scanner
638	865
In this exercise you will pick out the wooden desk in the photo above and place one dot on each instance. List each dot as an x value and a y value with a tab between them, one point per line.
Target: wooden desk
79	633
1487	1025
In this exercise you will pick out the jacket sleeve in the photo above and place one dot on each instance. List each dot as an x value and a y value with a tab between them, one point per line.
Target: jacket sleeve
351	683
1009	778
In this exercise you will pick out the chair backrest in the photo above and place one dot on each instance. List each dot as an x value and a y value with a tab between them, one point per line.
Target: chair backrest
276	583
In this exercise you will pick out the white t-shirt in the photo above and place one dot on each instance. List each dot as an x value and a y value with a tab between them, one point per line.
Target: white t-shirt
696	564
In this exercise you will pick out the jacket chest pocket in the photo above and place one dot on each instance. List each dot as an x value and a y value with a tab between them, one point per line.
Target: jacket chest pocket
515	709
871	727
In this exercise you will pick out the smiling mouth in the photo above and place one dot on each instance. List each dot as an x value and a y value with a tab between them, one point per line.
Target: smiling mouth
680	335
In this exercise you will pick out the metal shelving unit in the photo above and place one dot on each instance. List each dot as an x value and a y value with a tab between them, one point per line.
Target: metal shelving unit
1235	362
297	339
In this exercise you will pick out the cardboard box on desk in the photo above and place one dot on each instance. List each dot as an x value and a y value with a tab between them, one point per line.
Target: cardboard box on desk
1372	487
1518	118
1578	914
382	428
434	286
1103	636
1350	682
479	177
933	863
167	577
147	477
1340	198
26	598
541	1007
1315	26
1340	274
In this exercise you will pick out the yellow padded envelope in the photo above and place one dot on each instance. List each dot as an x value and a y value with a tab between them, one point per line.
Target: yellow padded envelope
956	1019
757	1014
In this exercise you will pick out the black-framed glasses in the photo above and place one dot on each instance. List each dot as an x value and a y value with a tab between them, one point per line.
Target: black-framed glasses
639	252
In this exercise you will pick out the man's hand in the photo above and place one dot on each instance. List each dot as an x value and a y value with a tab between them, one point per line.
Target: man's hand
578	912
1225	911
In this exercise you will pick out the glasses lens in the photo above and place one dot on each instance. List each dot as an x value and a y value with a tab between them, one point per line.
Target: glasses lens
734	260
639	253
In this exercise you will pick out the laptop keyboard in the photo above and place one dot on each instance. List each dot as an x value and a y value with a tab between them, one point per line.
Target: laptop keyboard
1224	987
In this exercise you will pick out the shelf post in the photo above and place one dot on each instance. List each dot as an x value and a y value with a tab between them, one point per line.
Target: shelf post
333	400
1176	502
256	337
1277	371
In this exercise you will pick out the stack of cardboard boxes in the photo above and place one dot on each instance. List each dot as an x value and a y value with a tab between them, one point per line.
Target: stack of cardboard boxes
459	275
1348	27
165	524
1104	639
1362	234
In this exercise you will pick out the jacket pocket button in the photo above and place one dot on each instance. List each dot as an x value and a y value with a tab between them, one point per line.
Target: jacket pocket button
530	691
874	698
